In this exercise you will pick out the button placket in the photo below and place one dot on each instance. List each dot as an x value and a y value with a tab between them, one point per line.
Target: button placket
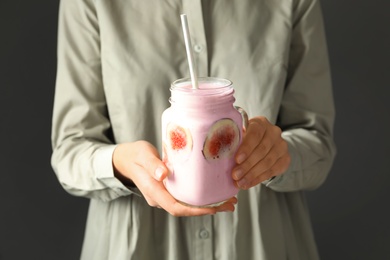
193	9
203	234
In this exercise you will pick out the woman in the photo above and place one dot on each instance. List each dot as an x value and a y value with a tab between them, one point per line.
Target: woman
116	60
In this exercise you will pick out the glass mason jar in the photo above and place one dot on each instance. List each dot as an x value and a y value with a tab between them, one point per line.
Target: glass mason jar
201	132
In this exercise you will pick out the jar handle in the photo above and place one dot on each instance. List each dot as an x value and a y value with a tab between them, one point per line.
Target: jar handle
244	115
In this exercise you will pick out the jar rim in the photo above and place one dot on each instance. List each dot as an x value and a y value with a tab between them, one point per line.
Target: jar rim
214	85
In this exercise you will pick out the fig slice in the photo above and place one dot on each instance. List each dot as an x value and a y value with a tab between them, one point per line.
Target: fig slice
179	138
222	140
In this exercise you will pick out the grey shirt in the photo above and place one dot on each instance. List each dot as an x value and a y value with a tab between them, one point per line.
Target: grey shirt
116	60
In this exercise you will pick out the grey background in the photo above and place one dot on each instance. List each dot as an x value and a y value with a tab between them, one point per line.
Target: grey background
350	212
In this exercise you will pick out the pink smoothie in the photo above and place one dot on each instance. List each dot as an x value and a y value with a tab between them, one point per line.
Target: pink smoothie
201	132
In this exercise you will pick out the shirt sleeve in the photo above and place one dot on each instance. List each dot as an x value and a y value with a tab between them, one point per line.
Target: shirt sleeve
81	131
307	112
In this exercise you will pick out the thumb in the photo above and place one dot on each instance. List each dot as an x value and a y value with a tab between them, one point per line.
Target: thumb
154	165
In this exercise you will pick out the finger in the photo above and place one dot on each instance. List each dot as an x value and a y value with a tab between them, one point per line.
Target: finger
175	208
178	209
259	171
254	134
228	205
254	177
259	153
248	174
271	138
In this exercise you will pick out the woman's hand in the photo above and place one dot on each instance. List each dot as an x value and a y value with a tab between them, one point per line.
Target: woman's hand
262	154
139	162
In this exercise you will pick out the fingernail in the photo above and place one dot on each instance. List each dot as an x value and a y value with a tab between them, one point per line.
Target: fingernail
240	158
159	172
242	183
238	173
230	209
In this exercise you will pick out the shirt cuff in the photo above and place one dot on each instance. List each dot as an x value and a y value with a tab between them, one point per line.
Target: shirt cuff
104	172
283	180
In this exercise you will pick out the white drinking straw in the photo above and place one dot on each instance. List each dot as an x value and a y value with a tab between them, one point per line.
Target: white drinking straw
190	56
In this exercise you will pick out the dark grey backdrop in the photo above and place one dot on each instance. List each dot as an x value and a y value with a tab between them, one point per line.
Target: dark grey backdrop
350	212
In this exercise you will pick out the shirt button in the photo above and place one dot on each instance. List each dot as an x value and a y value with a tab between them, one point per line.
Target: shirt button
198	48
203	234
